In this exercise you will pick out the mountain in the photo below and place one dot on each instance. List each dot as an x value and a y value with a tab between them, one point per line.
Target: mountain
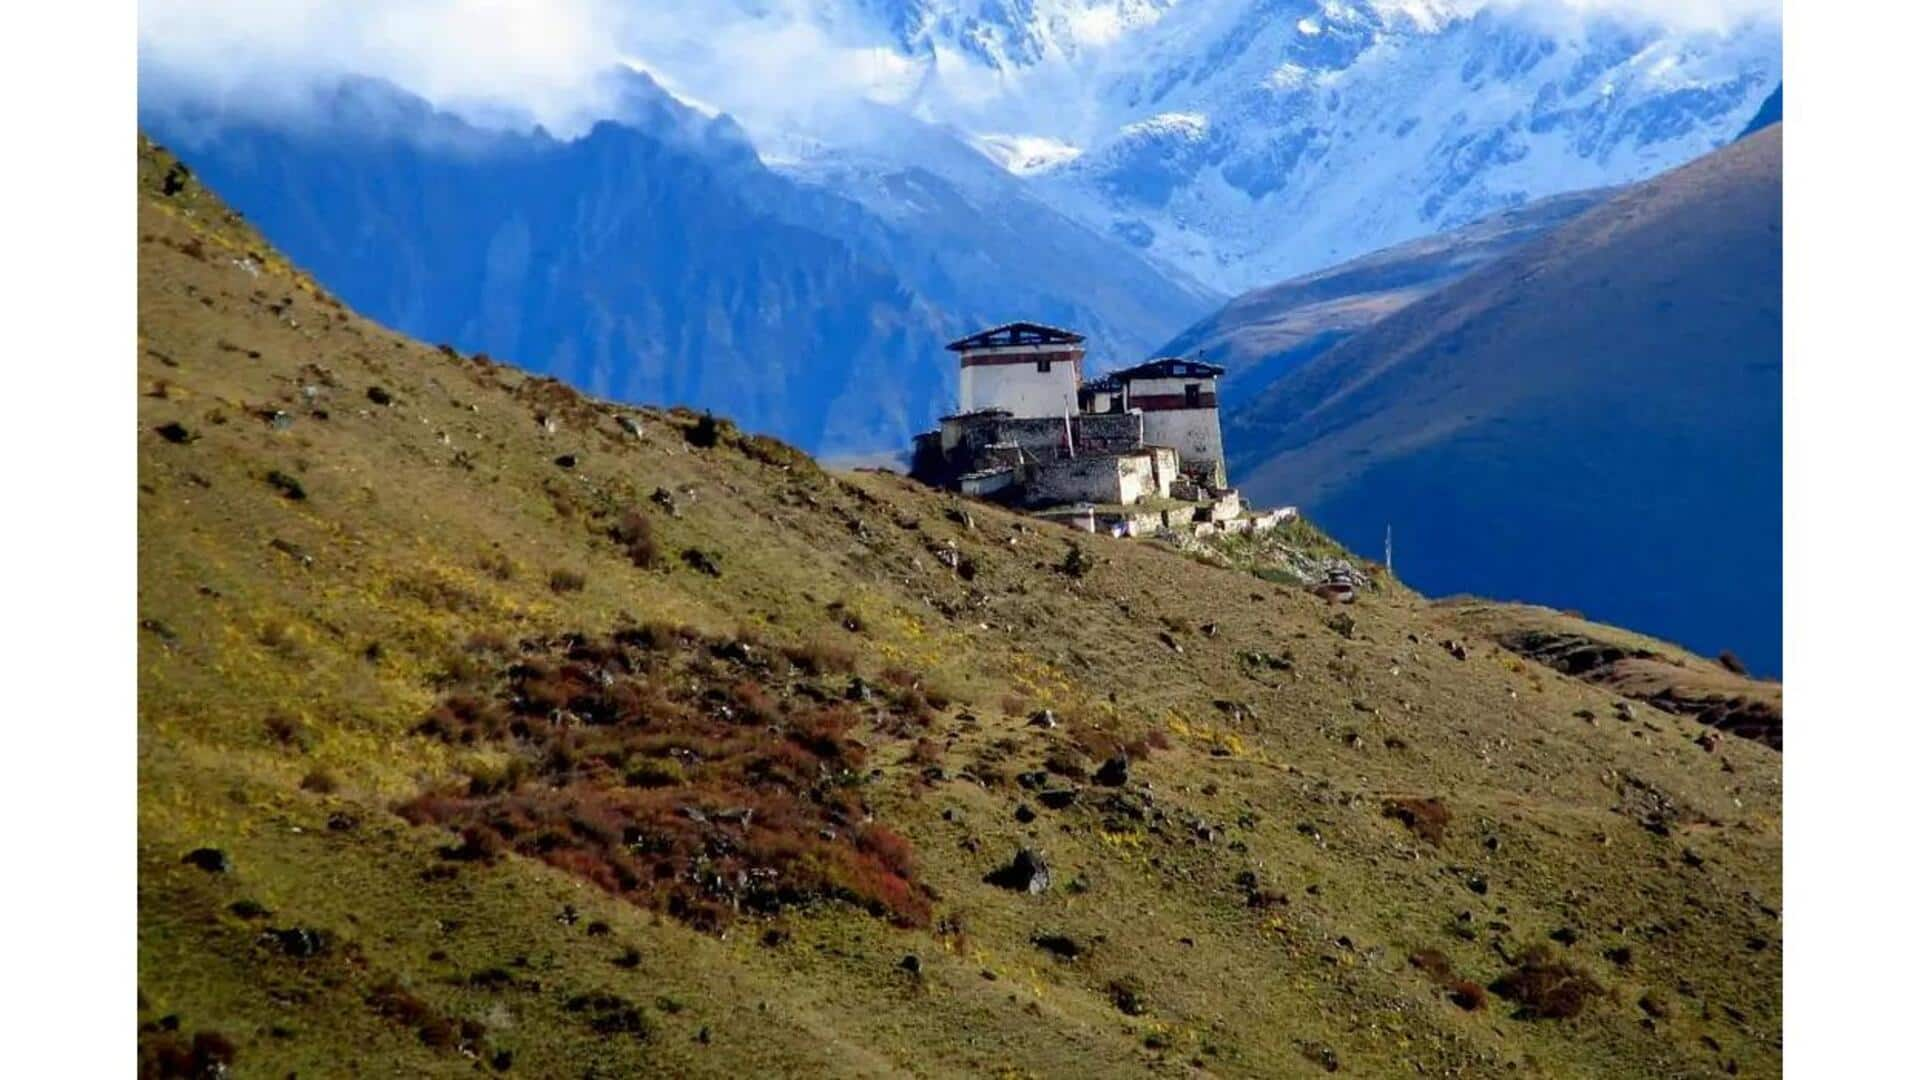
1772	111
658	259
1243	142
1263	334
488	727
1593	421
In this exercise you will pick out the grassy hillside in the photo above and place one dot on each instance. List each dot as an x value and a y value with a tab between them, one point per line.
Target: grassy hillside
1593	421
487	728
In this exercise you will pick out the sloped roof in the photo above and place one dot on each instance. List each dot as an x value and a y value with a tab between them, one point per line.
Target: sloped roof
1169	367
1016	333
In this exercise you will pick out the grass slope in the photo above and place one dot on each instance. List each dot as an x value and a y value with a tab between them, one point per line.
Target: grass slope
341	531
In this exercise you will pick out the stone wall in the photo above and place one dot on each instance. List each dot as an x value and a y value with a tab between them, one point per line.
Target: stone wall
1107	478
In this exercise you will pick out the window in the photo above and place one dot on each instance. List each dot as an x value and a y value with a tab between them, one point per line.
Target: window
1193	395
1046	366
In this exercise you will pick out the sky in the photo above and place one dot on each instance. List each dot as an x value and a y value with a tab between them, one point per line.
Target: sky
517	62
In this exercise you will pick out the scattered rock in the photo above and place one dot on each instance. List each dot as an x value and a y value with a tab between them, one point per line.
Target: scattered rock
1043	719
1024	814
210	859
292	551
175	433
1027	873
1060	945
567	461
1322	1055
1113	772
286	485
1128	995
299	942
628	424
379	395
1058	798
701	561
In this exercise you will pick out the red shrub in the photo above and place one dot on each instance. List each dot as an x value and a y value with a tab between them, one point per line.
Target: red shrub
624	772
1427	818
1546	988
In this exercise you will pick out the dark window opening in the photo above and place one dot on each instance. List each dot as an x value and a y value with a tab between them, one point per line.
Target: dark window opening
1046	366
1193	395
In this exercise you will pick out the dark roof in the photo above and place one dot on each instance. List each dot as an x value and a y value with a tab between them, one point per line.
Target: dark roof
1169	367
1017	333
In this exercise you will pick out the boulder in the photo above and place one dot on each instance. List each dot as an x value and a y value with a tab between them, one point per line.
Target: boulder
1027	873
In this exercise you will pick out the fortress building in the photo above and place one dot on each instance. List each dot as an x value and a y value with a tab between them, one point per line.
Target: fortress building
1138	450
1025	368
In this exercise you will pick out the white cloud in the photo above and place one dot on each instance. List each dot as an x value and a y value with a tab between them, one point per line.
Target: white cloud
545	61
1676	14
542	59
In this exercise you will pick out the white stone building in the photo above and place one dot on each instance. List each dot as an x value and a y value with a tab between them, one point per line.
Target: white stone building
1139	449
1027	369
1180	407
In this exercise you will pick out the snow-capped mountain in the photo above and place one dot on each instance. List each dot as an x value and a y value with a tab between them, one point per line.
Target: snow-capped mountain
1245	141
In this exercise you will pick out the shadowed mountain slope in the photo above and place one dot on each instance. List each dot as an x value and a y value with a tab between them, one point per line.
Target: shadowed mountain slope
487	726
657	258
1264	334
1592	421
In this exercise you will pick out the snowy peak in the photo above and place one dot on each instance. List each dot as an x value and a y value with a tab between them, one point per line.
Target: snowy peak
1245	141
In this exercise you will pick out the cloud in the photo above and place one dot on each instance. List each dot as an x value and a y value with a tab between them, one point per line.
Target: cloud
1684	15
538	60
518	62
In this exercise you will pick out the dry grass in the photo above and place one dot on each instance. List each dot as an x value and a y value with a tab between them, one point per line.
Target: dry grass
256	670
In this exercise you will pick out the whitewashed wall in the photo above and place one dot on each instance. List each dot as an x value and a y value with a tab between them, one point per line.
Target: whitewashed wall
1022	388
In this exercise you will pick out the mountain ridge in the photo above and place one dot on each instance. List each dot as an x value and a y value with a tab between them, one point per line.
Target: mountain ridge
1578	389
661	260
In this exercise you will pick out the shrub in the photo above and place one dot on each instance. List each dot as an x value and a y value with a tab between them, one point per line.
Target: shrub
320	781
820	657
621	769
1077	562
705	432
1465	993
1732	663
634	532
925	752
566	581
164	1054
1545	988
1427	818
